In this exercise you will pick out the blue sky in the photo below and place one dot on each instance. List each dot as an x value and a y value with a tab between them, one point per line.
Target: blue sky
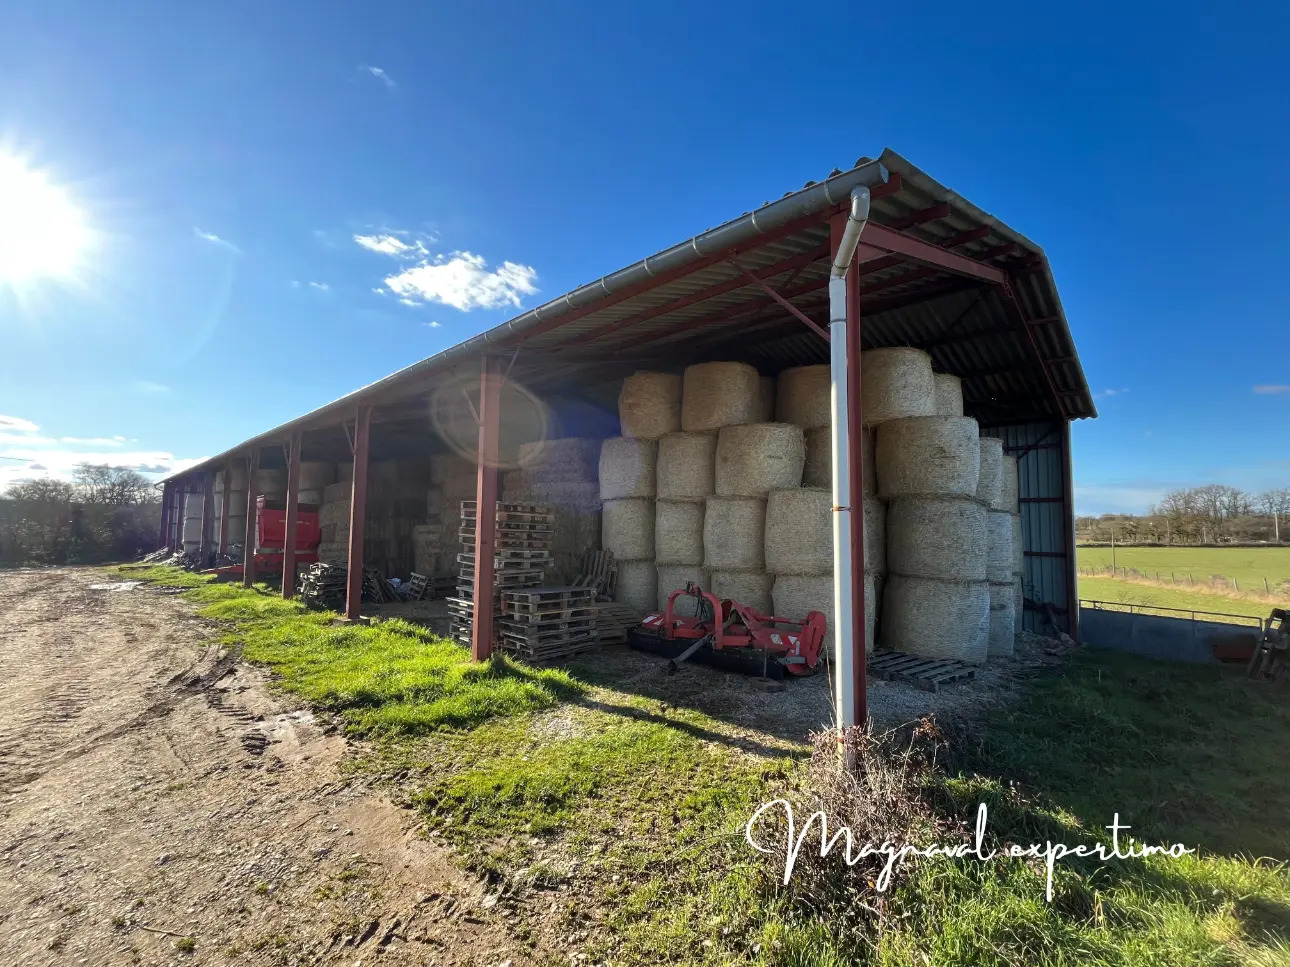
248	172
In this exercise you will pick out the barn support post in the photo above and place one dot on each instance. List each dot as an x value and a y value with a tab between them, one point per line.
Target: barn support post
252	508
1068	508
490	393
293	516
860	610
357	514
222	548
208	516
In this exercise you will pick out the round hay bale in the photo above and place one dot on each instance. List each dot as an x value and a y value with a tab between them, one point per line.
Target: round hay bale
751	588
237	476
271	482
719	394
1002	637
236	529
649	405
341	491
804	397
1009	490
949	394
686	463
314	474
998	529
797	595
875	536
756	458
990	481
637	585
937	537
627	529
1019	601
627	468
765	400
678	532
560	460
733	533
896	383
817	471
673	577
312	497
936	619
1018	545
928	455
799	531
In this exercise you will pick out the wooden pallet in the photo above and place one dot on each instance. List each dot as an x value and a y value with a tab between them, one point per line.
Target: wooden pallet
599	571
553	593
417	584
546	625
550	651
927	674
520	541
510	578
467	562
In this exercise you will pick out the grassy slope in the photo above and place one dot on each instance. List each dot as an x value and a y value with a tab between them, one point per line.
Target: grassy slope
1249	565
557	787
1162	596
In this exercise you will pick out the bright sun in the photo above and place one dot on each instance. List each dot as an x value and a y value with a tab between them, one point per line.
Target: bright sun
42	234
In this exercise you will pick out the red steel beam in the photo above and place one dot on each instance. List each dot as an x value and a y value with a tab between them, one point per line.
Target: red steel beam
788	306
490	398
920	217
962	238
252	512
222	547
293	517
357	513
916	249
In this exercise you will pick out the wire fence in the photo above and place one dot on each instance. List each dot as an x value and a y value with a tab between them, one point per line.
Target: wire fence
1225	582
1221	617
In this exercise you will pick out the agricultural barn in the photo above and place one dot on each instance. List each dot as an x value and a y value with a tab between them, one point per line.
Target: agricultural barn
684	413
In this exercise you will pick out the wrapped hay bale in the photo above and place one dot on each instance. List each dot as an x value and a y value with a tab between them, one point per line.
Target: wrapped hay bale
796	595
627	468
765	400
685	467
678	532
804	397
998	527
649	405
990	482
928	455
719	394
315	475
949	394
1002	637
818	468
756	458
1018	545
896	383
637	585
673	577
733	532
936	619
311	497
875	536
1009	490
799	531
337	492
627	529
937	537
751	588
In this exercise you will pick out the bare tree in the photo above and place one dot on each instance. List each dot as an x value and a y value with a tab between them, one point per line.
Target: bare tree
100	483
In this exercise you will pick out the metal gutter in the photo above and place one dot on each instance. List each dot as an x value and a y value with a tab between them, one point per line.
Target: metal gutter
820	197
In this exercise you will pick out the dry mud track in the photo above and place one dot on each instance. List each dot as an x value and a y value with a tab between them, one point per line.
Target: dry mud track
159	805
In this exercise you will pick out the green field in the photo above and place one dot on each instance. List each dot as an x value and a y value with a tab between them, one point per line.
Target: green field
1249	565
1187	599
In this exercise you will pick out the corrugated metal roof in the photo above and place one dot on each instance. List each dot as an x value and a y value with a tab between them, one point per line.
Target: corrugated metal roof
702	306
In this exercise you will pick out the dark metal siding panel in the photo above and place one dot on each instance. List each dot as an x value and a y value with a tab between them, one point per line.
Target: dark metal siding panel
1042	470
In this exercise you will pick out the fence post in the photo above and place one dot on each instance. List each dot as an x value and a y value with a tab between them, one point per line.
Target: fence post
1266	589
1235	583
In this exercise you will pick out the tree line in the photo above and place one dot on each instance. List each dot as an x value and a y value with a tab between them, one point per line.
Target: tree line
1212	514
103	514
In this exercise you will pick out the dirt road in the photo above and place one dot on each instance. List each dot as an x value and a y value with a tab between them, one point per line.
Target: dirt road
159	805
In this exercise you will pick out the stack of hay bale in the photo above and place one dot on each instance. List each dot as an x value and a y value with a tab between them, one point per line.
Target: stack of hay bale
315	476
271	483
333	522
563	475
1010	500
936	601
236	496
1003	620
395	505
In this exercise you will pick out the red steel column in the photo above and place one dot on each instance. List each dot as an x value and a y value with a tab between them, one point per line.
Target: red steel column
855	456
167	498
252	509
293	516
208	515
223	509
357	513
490	393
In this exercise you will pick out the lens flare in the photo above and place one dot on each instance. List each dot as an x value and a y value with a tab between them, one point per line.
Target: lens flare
43	235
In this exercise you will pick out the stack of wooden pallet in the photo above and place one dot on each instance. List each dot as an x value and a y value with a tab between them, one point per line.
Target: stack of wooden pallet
613	620
548	624
521	553
324	584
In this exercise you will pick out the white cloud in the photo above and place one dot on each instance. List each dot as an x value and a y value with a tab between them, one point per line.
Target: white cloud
1109	392
148	388
93	441
387	244
380	75
432	325
23	463
464	282
320	286
1271	389
17	424
216	240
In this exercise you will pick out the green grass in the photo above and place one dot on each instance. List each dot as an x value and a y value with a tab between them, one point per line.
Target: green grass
1160	596
1249	565
596	808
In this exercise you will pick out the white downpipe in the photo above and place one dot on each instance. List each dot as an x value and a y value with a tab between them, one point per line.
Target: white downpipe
843	565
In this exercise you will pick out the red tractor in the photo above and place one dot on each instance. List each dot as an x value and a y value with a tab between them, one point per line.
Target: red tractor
731	635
